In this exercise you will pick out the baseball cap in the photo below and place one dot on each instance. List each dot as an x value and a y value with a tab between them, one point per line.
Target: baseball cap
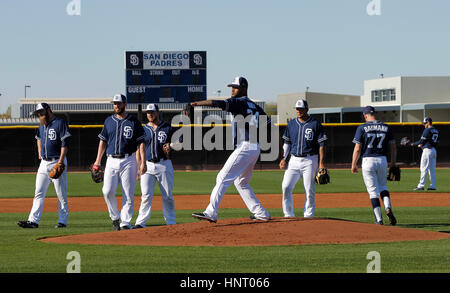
302	104
41	106
119	98
152	107
238	81
368	110
427	119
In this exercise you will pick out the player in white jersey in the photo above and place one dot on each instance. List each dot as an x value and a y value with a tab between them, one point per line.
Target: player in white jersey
239	166
374	140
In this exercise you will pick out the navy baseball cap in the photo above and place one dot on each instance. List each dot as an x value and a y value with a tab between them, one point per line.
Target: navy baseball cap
152	107
238	81
427	119
119	98
368	110
41	106
301	104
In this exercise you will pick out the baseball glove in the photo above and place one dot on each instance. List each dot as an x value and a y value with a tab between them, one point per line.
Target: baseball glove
166	149
96	173
405	141
56	171
188	110
322	176
394	173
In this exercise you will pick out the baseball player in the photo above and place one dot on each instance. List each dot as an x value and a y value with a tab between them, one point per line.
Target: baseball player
304	140
158	135
374	140
428	142
122	135
52	143
239	166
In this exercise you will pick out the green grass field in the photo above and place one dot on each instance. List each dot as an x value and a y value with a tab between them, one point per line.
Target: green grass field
80	184
20	252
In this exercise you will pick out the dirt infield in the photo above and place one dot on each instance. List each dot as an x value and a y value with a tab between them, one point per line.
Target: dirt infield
270	201
244	232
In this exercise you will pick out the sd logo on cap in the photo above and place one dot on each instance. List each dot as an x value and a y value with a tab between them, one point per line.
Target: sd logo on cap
152	107
119	98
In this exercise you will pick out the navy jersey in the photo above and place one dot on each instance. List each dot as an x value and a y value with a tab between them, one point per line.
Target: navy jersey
53	137
155	139
122	136
242	106
306	137
374	138
429	138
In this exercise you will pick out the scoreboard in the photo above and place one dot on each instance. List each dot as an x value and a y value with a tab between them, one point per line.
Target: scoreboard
165	76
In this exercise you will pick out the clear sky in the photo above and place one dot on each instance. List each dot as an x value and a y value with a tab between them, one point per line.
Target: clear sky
280	46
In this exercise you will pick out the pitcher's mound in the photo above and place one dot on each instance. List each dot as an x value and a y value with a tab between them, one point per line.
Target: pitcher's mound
245	232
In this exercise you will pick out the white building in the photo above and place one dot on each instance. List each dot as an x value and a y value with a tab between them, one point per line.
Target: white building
396	99
410	98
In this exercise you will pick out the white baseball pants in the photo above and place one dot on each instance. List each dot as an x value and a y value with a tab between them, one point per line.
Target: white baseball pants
124	172
163	173
238	169
305	168
42	183
428	167
374	171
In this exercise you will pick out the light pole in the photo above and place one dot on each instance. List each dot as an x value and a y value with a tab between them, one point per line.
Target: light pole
26	86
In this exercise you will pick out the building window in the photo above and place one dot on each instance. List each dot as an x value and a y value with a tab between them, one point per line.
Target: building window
392	94
383	95
376	96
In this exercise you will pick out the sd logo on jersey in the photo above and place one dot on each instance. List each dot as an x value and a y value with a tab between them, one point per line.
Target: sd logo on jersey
52	134
128	132
309	134
162	136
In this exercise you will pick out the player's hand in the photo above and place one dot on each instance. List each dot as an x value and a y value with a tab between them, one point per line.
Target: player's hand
283	164
143	169
354	169
419	146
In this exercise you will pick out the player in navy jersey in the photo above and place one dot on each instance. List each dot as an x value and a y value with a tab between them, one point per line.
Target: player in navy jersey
52	143
428	142
239	166
304	143
373	141
159	168
122	135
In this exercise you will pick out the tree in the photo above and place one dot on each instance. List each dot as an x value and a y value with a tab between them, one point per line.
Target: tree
7	114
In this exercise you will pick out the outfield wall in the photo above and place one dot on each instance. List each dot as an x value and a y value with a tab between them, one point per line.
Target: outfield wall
18	150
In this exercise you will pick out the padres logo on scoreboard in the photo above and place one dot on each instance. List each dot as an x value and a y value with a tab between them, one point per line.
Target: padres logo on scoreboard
165	76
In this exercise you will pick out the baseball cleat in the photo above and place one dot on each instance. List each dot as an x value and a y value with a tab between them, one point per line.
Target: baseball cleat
255	218
27	224
61	225
203	216
431	188
391	217
379	223
418	188
125	228
137	227
116	225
